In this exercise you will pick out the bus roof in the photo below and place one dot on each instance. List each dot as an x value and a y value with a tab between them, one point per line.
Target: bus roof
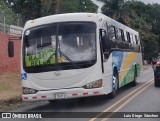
61	18
66	17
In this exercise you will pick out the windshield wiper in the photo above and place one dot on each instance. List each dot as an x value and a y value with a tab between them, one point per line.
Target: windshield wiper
75	65
49	58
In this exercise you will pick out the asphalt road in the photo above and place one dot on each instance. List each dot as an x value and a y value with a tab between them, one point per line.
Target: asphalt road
142	98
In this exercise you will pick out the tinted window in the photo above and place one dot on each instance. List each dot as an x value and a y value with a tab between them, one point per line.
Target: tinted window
122	35
136	39
128	37
112	32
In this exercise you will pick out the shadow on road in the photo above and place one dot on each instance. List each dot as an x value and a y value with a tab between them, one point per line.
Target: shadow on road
80	104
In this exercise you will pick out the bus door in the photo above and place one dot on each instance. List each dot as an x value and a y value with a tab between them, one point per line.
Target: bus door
105	53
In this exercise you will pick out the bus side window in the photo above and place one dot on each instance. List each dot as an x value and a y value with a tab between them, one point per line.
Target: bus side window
112	32
133	38
136	39
125	36
122	35
128	37
119	34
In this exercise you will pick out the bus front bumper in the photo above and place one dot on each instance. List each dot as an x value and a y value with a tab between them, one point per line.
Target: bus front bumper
63	94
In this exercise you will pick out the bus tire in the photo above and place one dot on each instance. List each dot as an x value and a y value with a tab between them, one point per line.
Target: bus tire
134	82
115	85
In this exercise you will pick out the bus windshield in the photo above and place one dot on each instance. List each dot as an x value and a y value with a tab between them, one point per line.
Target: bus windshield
66	45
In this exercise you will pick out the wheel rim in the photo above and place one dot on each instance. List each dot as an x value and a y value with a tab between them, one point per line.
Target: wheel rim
114	84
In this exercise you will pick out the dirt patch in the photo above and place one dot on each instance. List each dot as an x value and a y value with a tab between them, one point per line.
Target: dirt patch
10	90
12	104
10	85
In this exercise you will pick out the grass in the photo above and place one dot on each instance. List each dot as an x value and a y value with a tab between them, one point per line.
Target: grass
10	86
10	92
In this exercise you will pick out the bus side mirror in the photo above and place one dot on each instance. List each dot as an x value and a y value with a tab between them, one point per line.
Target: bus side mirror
10	49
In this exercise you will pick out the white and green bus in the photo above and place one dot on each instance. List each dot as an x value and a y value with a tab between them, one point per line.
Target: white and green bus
77	55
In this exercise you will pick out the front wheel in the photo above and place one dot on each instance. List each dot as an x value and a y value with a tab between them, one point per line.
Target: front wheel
115	85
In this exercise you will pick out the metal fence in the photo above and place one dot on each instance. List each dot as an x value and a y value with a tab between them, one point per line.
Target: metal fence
11	29
4	29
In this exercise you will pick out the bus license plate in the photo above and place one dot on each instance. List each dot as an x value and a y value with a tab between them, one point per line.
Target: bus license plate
59	96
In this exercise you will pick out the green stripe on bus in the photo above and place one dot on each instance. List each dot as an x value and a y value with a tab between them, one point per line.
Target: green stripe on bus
130	75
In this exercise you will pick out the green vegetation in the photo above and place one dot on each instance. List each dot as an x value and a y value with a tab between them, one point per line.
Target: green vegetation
135	14
31	9
141	17
7	14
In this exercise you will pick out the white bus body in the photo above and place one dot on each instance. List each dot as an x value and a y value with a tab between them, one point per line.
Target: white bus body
72	73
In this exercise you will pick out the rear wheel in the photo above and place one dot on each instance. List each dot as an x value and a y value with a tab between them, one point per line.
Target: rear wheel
134	82
115	85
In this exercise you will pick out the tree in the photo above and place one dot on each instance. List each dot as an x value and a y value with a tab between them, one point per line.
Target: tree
148	21
49	7
28	9
7	14
141	17
70	6
117	10
32	9
151	47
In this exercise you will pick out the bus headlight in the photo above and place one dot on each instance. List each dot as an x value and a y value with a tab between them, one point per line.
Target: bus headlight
29	91
95	84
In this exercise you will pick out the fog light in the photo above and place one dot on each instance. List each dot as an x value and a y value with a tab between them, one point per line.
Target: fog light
29	91
95	84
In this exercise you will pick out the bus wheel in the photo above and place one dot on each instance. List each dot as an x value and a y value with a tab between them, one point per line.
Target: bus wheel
115	85
134	82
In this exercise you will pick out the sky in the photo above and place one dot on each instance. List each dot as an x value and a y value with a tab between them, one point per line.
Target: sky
150	1
99	4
